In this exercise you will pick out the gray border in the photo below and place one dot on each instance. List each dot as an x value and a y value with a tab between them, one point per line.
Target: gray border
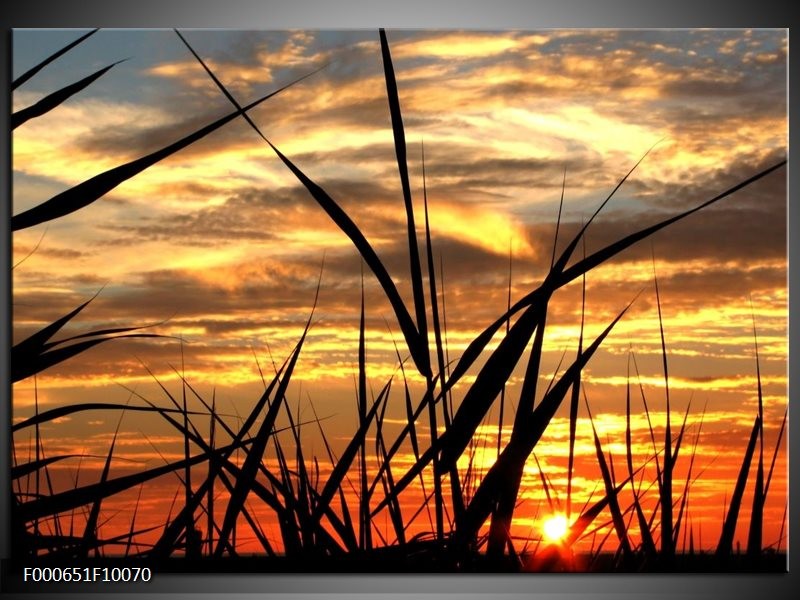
500	14
315	14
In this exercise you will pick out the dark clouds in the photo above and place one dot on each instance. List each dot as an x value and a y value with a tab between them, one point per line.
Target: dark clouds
768	194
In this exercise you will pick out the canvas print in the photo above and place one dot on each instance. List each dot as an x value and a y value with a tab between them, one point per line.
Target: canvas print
400	300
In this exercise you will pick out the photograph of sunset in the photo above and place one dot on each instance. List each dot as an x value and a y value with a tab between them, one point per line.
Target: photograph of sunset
400	300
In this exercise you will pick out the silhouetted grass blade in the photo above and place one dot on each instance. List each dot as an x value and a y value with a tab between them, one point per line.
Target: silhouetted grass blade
456	490
486	387
685	495
222	88
94	188
775	452
729	527
365	527
501	416
218	461
34	344
212	433
613	504
477	346
41	362
132	530
416	347
33	70
346	528
613	249
22	470
502	474
90	531
437	328
102	332
538	296
574	396
31	253
245	481
401	484
588	515
503	513
648	544
31	355
63	411
79	496
53	100
402	165
387	479
665	487
754	537
303	499
346	459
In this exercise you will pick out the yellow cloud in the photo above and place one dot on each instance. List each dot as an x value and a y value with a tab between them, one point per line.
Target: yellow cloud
489	229
458	46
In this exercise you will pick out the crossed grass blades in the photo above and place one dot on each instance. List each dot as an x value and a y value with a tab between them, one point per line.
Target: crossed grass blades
315	517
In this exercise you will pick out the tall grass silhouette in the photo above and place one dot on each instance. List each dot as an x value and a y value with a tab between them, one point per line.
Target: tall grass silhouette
331	523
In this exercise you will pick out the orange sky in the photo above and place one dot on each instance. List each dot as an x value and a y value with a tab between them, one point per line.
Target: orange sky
222	246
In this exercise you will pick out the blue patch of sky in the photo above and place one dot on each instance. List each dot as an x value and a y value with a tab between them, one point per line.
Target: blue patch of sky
30	190
139	48
153	46
144	49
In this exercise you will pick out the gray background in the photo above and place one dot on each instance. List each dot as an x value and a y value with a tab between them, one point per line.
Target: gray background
348	14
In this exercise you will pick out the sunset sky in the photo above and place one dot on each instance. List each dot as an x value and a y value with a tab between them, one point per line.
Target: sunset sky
221	245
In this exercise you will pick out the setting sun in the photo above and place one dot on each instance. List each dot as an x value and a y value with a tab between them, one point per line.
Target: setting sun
555	528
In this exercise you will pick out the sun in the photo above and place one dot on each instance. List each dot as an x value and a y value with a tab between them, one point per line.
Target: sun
555	528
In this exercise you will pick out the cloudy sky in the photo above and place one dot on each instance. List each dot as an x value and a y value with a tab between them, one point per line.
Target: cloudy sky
220	245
